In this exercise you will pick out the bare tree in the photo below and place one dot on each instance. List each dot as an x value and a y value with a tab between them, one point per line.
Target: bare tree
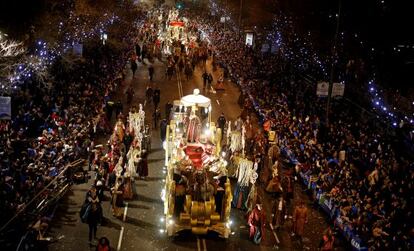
11	53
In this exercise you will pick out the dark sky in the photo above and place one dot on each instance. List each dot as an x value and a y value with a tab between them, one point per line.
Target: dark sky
381	25
16	15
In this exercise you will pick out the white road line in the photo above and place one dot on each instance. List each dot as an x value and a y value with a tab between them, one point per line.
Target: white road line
120	239
274	234
198	244
204	245
125	211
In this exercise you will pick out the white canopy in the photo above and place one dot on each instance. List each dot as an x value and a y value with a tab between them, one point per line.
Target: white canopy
196	99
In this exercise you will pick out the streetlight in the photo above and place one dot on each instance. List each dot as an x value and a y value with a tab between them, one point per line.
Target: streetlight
328	104
240	15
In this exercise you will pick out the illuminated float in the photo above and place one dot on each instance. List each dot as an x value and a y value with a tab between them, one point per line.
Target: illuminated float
197	194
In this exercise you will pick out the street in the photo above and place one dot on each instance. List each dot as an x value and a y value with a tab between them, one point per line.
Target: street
206	125
140	229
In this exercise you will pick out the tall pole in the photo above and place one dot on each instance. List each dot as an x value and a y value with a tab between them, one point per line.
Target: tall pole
240	16
328	104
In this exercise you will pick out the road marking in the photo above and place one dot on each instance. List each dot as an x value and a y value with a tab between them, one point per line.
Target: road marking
120	239
125	212
274	234
198	244
204	245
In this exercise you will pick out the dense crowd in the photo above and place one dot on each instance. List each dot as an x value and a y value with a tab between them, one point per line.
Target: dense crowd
55	122
357	164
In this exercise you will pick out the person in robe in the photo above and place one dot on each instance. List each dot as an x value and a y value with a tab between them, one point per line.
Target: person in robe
127	193
143	165
300	218
181	183
202	190
194	128
117	198
119	129
132	156
257	222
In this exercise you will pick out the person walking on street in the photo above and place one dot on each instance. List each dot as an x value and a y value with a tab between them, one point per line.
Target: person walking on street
209	81
288	192
94	214
138	50
103	245
168	108
205	79
170	71
148	94
257	222
156	116
300	218
327	241
143	165
221	123
117	197
156	97
163	129
151	72
134	67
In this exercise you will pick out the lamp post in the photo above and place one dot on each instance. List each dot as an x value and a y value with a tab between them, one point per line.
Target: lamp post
328	104
240	16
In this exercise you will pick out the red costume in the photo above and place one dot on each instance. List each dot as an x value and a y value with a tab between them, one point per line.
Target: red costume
257	220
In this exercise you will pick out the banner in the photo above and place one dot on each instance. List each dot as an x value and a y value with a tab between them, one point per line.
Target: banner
338	89
322	89
5	107
249	39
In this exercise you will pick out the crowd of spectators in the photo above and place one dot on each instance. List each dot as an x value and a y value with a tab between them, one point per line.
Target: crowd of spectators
358	165
55	121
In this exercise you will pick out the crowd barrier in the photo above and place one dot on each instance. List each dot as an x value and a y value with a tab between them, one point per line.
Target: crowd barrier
328	206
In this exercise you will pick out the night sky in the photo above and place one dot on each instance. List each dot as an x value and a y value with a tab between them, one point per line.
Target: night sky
384	25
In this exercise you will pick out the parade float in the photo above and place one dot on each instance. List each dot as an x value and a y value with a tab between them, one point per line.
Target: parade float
197	194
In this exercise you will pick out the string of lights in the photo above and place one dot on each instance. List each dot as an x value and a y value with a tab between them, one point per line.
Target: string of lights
220	11
393	114
44	54
297	50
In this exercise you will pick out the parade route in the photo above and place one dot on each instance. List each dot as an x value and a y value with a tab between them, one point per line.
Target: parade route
141	227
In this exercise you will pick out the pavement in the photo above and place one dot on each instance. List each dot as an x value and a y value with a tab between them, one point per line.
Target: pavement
140	229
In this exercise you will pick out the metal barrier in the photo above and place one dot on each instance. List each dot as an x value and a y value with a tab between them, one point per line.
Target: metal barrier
39	205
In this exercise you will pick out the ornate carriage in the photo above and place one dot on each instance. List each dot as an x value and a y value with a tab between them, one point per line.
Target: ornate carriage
197	194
